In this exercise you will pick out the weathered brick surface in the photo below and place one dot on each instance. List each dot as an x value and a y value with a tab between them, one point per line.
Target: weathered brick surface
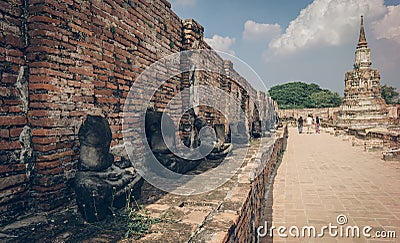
325	114
62	60
251	212
229	213
14	176
83	57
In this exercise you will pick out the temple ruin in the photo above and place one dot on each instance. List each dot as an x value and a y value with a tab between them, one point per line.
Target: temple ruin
65	65
363	105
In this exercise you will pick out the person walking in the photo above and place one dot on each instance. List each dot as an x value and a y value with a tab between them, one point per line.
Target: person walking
309	123
300	124
317	125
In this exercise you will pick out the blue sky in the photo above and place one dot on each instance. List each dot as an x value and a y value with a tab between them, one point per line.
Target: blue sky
301	40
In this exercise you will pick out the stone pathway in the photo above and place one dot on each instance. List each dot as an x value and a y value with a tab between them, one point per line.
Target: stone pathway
323	176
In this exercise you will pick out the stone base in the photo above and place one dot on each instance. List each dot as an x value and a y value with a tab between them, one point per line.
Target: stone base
177	164
98	192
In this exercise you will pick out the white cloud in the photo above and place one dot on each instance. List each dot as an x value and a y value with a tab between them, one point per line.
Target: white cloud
389	26
326	23
257	31
183	3
220	43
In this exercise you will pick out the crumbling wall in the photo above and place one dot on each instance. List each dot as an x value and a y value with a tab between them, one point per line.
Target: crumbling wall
255	104
15	131
62	60
328	115
83	58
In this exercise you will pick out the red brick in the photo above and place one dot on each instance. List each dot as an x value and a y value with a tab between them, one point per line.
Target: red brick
111	86
44	64
80	29
45	49
14	41
83	99
56	155
4	109
42	79
7	7
61	59
4	133
107	100
38	86
9	78
45	122
78	113
36	9
39	97
43	33
12	102
44	148
42	113
45	19
43	104
15	132
88	71
44	140
12	168
15	53
103	92
12	120
15	109
4	145
52	132
53	171
48	165
44	41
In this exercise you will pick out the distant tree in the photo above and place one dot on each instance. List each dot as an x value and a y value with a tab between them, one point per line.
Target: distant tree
298	95
389	94
326	98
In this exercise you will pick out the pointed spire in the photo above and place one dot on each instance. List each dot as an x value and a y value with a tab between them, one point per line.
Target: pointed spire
362	41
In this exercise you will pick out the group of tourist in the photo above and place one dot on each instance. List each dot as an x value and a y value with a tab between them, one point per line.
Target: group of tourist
309	123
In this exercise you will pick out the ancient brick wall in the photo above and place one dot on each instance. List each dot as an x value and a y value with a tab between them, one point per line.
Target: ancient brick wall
62	60
245	97
252	214
331	114
328	115
83	58
193	40
15	147
244	209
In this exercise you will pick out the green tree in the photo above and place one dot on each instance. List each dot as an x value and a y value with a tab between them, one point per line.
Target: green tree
326	98
298	95
389	94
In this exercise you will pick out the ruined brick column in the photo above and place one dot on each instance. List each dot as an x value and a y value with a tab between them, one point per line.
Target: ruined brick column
193	35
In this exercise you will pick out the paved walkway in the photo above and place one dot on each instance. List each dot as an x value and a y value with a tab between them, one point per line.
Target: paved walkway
322	177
